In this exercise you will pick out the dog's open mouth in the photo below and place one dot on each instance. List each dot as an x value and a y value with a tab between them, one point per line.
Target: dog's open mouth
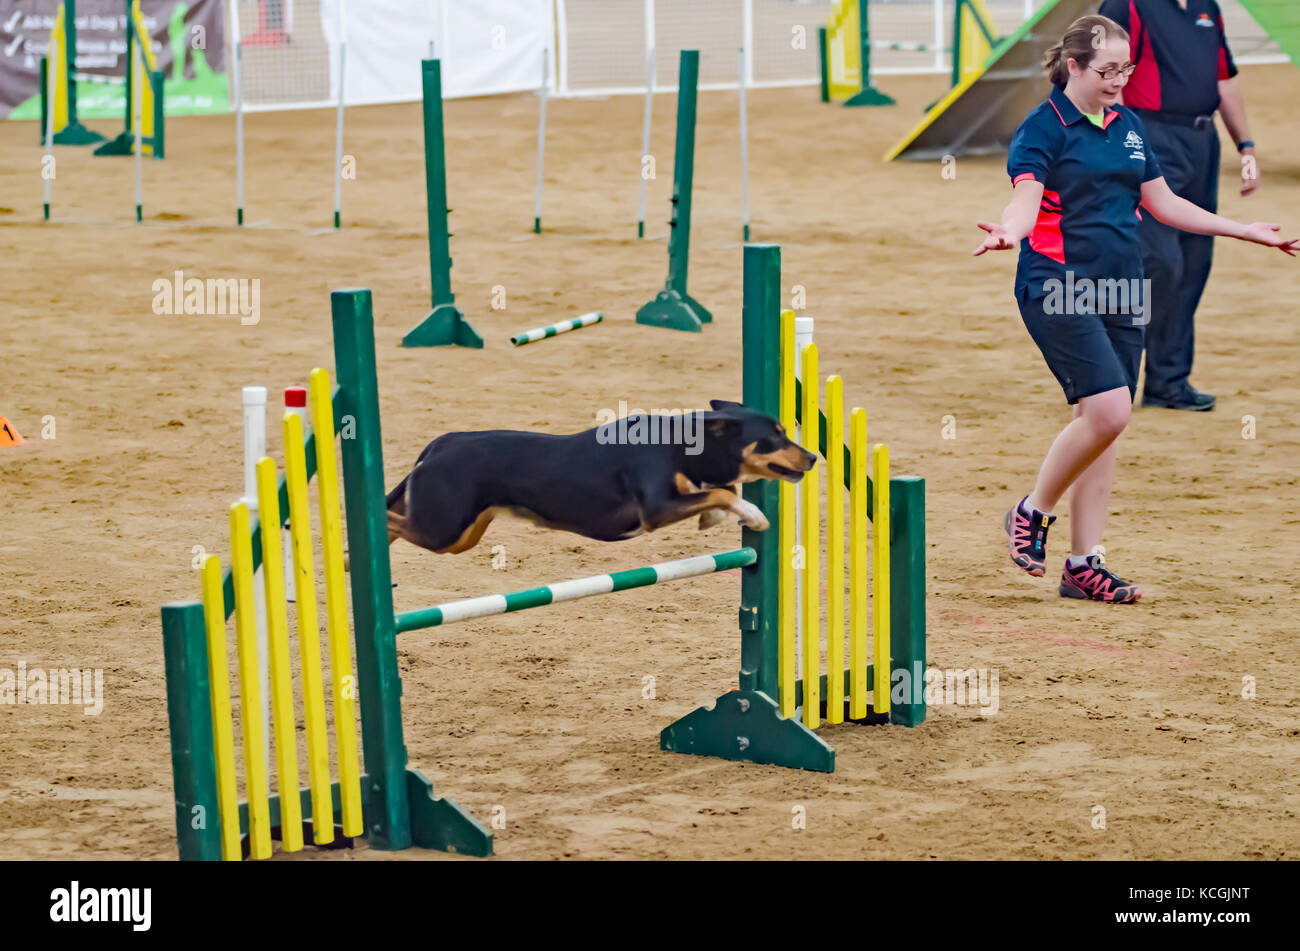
790	475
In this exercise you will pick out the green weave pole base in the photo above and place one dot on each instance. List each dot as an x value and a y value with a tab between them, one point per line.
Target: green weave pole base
441	823
747	725
74	133
870	96
445	327
123	144
675	311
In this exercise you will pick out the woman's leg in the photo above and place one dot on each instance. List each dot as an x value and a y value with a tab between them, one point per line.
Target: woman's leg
1089	500
1097	424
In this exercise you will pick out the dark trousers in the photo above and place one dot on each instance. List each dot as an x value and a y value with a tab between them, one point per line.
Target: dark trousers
1177	263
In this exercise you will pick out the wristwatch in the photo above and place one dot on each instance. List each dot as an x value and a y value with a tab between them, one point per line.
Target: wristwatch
1242	146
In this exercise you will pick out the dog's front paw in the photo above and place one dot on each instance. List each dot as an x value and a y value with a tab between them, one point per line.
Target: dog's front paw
751	516
712	517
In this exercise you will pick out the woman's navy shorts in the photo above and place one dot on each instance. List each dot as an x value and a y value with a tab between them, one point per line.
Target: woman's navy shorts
1088	353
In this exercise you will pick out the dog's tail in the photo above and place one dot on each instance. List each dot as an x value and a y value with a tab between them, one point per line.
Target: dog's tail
398	493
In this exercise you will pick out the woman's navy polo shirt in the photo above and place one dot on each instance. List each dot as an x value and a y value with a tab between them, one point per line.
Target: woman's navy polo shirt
1092	180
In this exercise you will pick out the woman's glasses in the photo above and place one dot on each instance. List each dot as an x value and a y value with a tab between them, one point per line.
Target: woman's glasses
1114	71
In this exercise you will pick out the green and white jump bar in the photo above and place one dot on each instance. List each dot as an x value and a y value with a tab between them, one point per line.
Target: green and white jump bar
490	604
564	326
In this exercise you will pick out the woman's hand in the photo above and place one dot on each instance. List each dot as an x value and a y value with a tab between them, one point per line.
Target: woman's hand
998	240
1265	233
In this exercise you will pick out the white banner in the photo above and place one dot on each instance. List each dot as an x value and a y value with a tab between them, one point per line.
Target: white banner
486	46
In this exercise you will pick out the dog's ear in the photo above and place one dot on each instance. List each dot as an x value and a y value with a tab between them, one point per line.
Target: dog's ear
722	427
722	405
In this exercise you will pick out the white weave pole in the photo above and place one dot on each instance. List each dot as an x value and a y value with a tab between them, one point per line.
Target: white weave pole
744	152
338	136
239	131
645	137
49	121
541	138
254	398
137	96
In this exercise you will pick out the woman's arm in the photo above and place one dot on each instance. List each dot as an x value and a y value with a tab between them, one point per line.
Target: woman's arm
1017	219
1180	213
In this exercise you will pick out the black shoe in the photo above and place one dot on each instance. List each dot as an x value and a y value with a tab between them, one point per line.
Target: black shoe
1188	398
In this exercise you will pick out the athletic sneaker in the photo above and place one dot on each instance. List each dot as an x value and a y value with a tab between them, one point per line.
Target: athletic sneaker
1093	581
1028	531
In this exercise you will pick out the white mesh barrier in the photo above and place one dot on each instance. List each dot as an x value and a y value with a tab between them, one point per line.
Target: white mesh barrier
784	42
714	28
289	52
603	46
603	43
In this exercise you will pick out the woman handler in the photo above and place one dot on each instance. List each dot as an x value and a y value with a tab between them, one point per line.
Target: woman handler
1080	167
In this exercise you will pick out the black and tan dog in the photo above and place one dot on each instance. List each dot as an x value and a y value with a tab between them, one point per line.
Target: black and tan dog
591	483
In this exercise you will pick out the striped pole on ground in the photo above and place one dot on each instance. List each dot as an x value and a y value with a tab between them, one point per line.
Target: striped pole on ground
467	608
564	326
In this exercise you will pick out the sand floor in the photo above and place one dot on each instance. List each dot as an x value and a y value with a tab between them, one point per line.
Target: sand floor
1138	710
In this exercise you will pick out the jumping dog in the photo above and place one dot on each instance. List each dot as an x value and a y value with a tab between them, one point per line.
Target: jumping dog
591	483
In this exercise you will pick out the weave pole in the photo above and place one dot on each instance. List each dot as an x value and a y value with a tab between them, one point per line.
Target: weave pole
645	133
541	139
140	76
564	326
338	133
239	129
744	151
48	171
467	608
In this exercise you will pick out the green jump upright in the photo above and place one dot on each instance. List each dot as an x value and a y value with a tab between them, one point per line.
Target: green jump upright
124	142
446	324
673	307
74	133
398	803
746	723
403	810
869	95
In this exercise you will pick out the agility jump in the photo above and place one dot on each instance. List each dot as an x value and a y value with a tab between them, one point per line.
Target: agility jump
59	83
394	805
143	85
845	46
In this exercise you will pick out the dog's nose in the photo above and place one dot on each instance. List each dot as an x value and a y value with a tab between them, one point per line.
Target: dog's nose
810	460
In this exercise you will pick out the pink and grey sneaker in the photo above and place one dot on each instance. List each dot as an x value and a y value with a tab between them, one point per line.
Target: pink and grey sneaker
1093	581
1028	531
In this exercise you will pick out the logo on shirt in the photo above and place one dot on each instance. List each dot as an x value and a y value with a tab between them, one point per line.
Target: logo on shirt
1132	141
1204	20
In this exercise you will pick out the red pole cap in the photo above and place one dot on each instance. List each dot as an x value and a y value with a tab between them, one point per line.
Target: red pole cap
295	397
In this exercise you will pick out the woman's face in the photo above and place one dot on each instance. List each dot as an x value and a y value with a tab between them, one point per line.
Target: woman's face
1113	57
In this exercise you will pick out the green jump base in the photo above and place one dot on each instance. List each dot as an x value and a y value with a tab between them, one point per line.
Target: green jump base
870	96
435	823
445	327
747	725
675	311
124	144
74	133
441	823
